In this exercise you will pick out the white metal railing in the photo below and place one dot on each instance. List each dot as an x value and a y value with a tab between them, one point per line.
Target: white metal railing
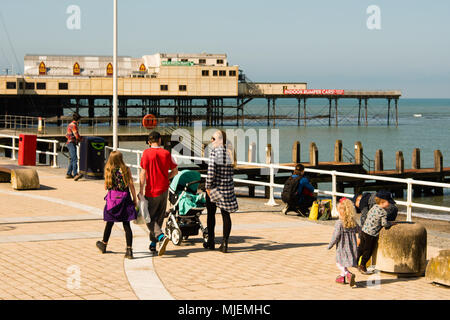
334	174
13	148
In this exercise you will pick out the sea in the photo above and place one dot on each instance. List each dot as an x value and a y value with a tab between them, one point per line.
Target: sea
422	123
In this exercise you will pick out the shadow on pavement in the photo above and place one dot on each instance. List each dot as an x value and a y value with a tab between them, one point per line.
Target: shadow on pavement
258	245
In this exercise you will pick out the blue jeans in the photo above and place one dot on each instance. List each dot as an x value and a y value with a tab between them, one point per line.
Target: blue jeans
73	161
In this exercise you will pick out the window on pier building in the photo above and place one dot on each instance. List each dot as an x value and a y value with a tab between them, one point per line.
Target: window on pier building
11	85
63	86
164	87
232	73
205	73
41	86
202	61
215	73
182	87
29	85
222	73
184	60
219	61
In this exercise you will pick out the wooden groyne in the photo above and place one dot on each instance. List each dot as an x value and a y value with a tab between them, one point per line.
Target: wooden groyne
345	161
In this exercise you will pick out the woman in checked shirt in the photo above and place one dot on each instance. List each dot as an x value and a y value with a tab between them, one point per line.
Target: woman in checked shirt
220	189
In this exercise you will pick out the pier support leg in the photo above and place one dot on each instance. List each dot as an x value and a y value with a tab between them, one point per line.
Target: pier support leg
389	111
304	112
268	111
274	112
359	112
336	110
365	109
329	112
396	112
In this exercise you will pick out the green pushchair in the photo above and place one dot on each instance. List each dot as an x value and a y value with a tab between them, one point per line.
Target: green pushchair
188	204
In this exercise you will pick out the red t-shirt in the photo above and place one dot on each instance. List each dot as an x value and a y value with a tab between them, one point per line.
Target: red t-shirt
157	162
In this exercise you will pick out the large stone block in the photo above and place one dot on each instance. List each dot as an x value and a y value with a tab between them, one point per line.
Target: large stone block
24	179
402	249
438	268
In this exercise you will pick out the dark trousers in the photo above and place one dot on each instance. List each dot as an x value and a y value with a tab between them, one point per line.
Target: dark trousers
211	221
366	246
126	227
157	211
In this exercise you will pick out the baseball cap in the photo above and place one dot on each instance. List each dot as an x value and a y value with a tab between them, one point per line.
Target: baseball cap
386	195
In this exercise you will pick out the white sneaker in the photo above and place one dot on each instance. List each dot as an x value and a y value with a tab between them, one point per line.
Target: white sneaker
162	245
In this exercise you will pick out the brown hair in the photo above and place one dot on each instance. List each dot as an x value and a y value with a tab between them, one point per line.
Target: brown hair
299	168
115	160
378	200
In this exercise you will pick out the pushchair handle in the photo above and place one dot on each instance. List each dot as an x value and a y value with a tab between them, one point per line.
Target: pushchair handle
191	183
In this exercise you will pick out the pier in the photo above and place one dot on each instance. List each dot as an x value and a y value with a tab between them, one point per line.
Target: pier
178	89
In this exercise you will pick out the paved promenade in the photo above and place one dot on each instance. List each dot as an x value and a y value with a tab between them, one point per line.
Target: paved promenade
47	245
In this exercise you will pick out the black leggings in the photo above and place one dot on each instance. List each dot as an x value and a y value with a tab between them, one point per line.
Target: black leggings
366	246
126	227
211	221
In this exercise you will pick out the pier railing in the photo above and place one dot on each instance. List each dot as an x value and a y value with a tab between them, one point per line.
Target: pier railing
334	174
15	147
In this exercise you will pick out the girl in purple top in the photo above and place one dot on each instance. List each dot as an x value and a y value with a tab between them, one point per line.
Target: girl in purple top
120	204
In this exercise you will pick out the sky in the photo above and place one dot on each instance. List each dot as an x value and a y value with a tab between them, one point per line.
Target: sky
324	43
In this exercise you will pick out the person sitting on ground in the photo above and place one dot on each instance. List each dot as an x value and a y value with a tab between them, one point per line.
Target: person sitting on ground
376	219
345	237
298	193
365	201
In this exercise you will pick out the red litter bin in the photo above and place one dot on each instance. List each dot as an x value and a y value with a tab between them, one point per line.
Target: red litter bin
27	149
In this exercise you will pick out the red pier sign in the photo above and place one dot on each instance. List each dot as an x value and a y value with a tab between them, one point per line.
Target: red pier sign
314	91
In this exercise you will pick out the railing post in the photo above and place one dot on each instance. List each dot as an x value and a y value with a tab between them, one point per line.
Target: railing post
13	153
409	201
334	212
271	201
55	155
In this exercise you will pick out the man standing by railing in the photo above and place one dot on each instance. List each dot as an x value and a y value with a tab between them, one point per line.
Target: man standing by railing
73	138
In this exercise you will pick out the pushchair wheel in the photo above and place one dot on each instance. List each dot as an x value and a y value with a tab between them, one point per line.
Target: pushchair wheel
176	236
205	234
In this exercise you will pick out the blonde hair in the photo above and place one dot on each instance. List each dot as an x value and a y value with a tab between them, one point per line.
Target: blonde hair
349	217
115	160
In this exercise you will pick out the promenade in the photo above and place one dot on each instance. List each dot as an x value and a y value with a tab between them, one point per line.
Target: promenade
47	245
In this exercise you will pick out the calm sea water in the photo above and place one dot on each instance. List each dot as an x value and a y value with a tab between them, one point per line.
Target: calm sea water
423	123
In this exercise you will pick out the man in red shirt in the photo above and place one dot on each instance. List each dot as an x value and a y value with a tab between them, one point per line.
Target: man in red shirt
156	163
73	138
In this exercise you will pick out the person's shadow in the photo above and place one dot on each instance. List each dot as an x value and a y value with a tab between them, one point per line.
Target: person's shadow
257	246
